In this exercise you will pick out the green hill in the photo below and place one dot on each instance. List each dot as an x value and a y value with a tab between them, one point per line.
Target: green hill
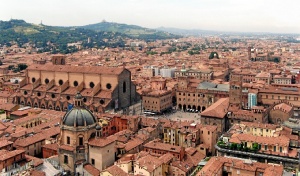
55	39
130	30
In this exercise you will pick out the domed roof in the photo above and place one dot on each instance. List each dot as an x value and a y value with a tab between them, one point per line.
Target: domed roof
98	127
78	117
78	96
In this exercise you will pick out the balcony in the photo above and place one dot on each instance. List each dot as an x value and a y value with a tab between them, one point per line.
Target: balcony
251	153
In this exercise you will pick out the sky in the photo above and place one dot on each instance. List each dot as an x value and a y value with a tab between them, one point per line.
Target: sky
221	15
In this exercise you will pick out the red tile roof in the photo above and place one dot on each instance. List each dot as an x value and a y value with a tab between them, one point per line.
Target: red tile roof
77	69
218	109
91	169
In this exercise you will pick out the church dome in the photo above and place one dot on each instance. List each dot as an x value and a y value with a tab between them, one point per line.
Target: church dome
78	117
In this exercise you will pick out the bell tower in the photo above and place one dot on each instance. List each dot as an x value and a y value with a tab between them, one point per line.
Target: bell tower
235	92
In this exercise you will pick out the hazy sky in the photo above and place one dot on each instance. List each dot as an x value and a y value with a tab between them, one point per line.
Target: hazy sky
222	15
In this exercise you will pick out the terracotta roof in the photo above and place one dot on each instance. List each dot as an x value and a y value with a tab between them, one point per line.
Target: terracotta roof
7	106
5	94
115	171
91	169
24	142
218	109
163	146
101	142
283	107
166	158
77	69
37	173
51	146
280	140
131	144
67	147
4	154
215	164
4	143
149	163
36	161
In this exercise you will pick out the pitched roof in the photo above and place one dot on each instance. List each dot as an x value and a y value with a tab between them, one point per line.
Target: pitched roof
218	109
215	164
91	169
115	170
163	146
149	163
101	142
77	69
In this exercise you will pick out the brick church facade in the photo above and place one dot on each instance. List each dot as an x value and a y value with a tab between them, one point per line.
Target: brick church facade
53	86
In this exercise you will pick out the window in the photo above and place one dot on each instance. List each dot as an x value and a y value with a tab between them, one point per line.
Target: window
102	101
65	159
266	147
46	81
80	140
60	82
280	149
124	87
93	161
33	79
75	83
68	140
108	86
92	85
274	149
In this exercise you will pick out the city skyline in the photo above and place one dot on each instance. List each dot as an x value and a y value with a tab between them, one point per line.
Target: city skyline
229	15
